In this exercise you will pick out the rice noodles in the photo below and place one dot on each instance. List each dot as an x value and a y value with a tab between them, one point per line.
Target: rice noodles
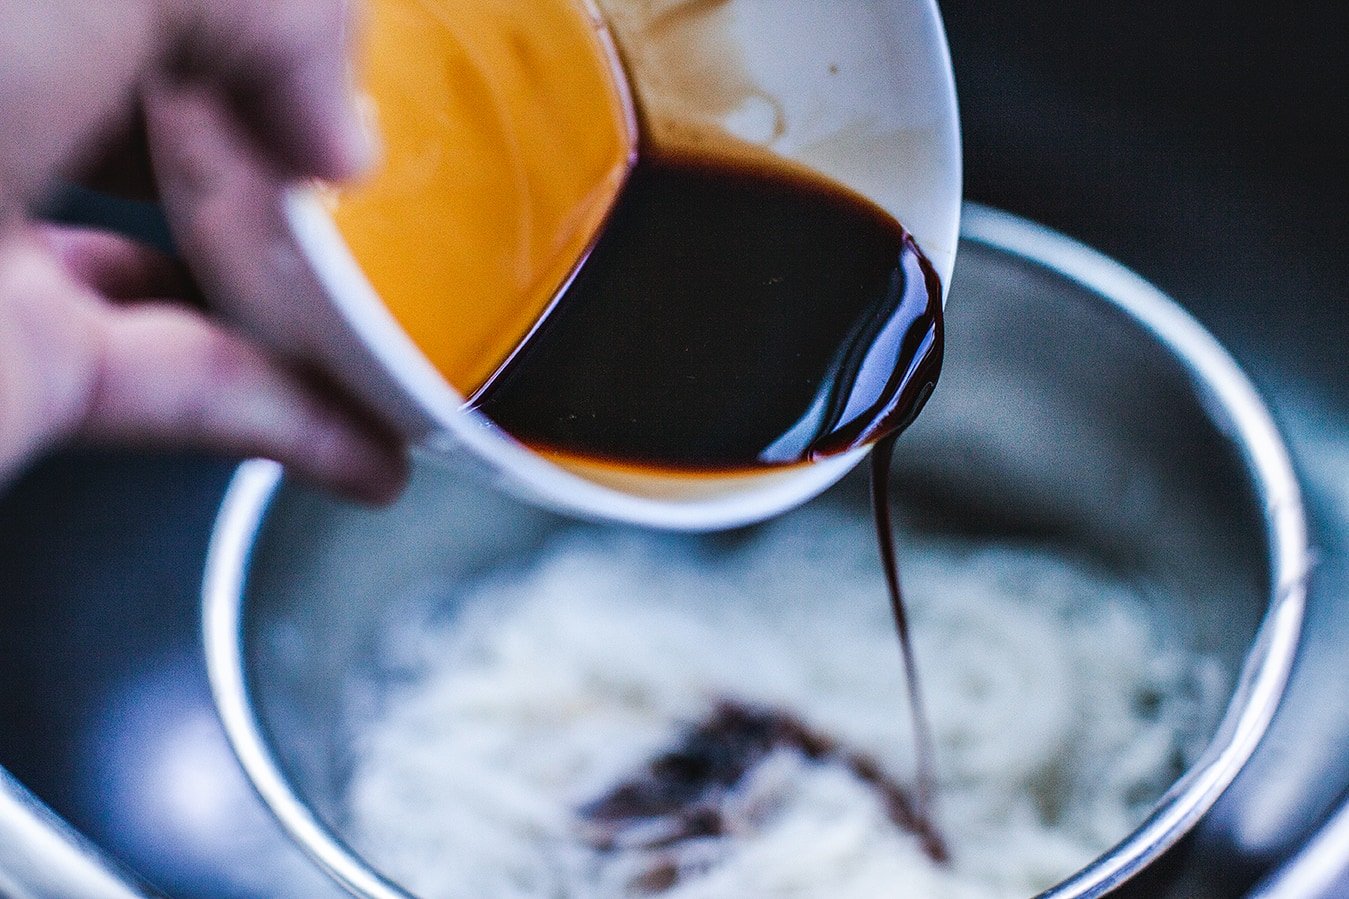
1061	713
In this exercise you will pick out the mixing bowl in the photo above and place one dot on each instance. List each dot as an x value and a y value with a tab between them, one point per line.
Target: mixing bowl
1079	409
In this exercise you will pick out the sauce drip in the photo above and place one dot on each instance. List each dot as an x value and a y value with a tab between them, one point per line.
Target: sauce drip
882	455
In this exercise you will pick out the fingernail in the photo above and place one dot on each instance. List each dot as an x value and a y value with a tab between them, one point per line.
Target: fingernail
381	475
385	486
358	138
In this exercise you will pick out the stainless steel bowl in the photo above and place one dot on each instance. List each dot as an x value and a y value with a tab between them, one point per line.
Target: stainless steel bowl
1079	406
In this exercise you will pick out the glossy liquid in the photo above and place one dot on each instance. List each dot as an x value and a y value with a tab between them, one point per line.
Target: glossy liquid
737	313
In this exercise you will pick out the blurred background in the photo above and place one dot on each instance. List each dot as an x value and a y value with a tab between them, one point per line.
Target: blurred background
1204	144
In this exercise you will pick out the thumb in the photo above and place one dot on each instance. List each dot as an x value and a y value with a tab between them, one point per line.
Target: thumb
282	66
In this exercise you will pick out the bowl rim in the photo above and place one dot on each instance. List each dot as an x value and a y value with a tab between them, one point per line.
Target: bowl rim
1232	403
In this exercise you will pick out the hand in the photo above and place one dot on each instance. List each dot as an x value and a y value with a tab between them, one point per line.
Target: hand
91	344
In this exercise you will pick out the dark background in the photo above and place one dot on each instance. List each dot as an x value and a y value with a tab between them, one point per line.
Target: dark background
1201	143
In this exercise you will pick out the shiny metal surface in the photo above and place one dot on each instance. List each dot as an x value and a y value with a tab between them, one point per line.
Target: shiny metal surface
105	714
42	858
1079	407
1319	871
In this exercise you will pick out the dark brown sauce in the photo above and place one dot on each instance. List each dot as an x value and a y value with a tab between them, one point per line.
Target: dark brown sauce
882	455
681	794
738	313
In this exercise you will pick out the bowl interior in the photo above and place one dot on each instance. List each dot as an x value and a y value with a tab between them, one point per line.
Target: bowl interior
1059	420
